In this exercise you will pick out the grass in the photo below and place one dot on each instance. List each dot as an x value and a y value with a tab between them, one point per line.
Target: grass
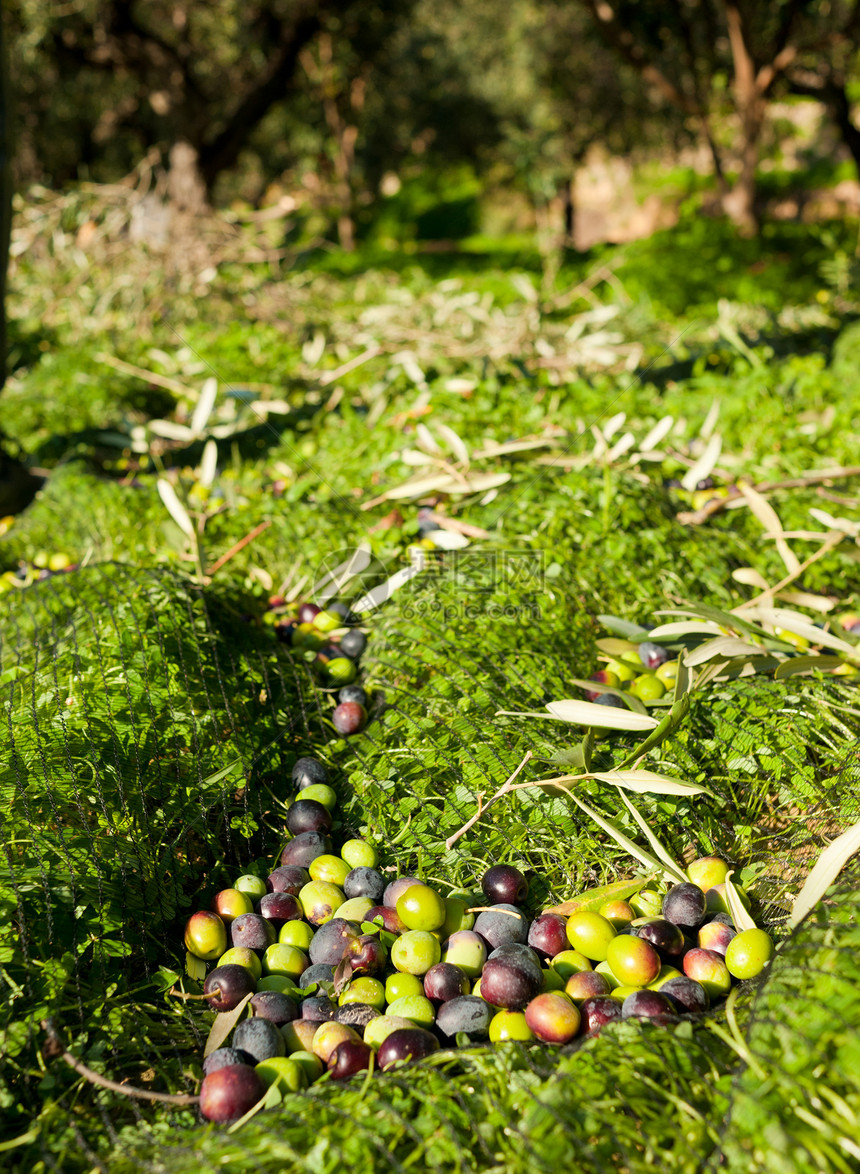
152	721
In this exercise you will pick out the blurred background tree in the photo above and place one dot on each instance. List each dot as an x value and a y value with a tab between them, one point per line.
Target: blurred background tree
390	117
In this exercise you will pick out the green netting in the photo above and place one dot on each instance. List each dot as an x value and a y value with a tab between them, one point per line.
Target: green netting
150	728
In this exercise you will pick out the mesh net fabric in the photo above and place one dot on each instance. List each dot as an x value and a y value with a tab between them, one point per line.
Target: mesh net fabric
150	730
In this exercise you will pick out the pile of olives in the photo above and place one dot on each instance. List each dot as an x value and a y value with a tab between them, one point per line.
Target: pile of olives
345	971
331	633
648	672
42	567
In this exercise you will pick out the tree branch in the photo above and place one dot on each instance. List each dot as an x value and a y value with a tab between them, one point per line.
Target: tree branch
223	151
622	41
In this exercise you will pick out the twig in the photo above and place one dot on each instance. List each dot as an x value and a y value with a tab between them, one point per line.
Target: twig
345	368
717	504
503	790
141	372
832	541
126	1090
240	545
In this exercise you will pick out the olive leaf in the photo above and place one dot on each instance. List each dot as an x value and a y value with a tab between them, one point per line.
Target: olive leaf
623	628
825	871
205	404
660	850
613	646
591	900
597	687
704	466
806	664
686	628
725	647
769	519
660	733
224	1023
800	625
586	713
646	782
619	837
175	507
739	914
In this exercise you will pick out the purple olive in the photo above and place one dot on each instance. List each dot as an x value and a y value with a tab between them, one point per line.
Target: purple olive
232	982
278	908
504	884
407	1043
547	934
307	815
350	1058
287	879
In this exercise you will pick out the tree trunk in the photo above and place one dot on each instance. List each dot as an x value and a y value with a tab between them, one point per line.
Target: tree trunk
568	208
750	104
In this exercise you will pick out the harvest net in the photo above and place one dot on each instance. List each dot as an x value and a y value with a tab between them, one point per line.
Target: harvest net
150	731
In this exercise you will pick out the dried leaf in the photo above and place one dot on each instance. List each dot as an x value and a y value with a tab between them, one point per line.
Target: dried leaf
427	440
224	1023
659	432
750	578
591	900
170	431
455	443
767	515
384	591
208	463
418	486
627	441
586	713
447	539
175	507
613	424
479	483
843	524
738	913
710	421
416	459
646	782
820	603
204	406
704	466
827	868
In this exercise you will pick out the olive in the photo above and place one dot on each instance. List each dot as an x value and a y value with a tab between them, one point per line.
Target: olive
307	815
411	1043
504	884
259	1038
553	1018
590	934
349	1058
307	771
684	905
749	953
228	1093
232	983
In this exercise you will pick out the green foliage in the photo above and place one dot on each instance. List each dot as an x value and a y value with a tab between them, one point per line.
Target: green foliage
151	726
